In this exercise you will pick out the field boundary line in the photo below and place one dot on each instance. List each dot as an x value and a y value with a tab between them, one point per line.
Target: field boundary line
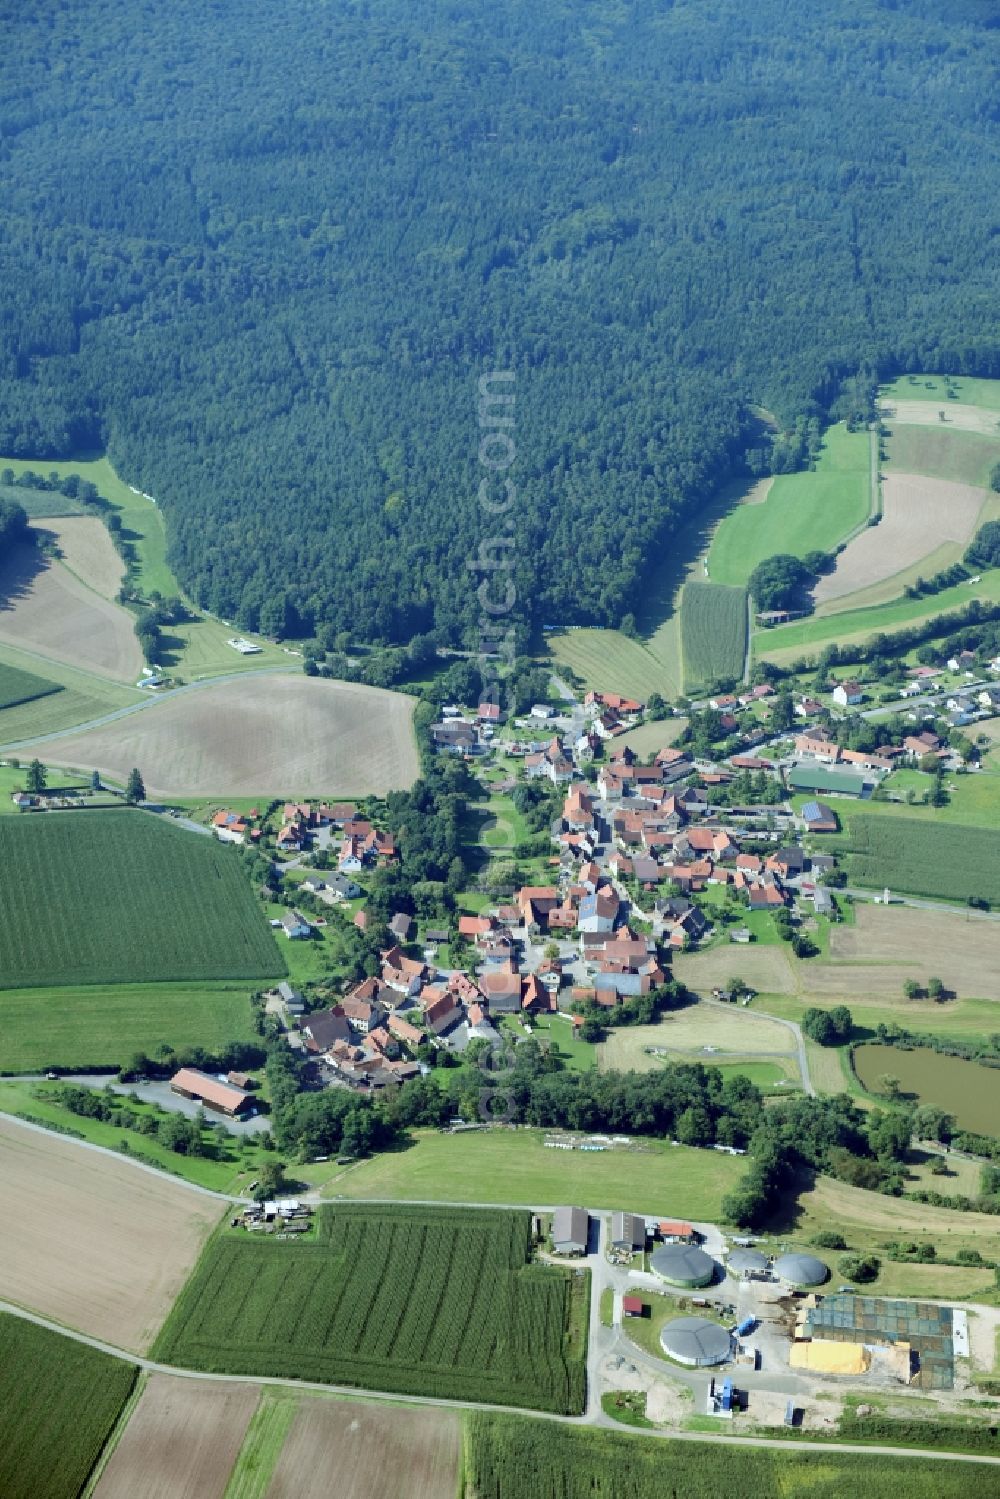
355	1393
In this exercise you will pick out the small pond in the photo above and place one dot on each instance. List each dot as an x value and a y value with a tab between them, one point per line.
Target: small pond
966	1089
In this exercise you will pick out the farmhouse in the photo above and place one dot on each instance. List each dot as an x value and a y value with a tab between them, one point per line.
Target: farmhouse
223	1098
846	694
818	746
570	1230
294	925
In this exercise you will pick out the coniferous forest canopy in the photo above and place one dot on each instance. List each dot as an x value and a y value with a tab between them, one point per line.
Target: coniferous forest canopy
262	254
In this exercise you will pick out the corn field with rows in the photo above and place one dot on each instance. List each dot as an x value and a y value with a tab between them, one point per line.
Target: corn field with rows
417	1300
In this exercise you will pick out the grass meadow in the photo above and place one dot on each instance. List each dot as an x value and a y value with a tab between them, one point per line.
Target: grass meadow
418	1300
713	633
122	897
103	1025
515	1166
40	504
969	391
59	1401
803	512
83	696
17	686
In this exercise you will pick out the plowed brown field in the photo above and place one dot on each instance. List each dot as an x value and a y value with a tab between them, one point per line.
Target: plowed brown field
45	608
357	1451
919	515
181	1441
261	735
92	1242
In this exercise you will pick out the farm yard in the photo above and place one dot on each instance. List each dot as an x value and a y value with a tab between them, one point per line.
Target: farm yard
59	1401
923	858
123	897
181	1441
103	1025
419	1300
45	608
116	1242
416	1454
713	633
516	1166
265	734
515	1457
803	512
919	515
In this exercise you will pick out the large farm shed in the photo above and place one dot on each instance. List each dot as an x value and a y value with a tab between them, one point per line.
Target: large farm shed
224	1098
924	1334
695	1341
743	1264
683	1265
822	778
570	1230
799	1270
628	1231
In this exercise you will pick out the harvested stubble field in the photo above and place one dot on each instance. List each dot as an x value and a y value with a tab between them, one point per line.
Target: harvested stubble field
958	416
102	1246
181	1441
920	514
59	1400
264	734
765	967
84	546
45	608
961	948
428	1301
414	1454
941	452
713	632
687	1032
124	897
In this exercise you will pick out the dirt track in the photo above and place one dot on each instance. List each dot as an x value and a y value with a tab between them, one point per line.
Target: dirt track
272	735
44	608
93	1242
409	1455
920	515
181	1441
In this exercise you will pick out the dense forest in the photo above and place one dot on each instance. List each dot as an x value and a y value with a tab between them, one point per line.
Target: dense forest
263	254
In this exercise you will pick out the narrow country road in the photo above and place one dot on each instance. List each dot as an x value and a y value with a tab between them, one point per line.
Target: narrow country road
151	1366
790	1025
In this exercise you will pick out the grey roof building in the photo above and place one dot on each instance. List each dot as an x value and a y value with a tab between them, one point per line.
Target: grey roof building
570	1230
628	1231
800	1270
695	1341
683	1265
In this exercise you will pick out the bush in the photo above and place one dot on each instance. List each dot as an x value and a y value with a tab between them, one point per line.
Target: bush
828	1239
863	1268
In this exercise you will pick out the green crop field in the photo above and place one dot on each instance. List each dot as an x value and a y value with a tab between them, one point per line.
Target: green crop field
515	1457
124	897
102	1026
923	858
39	503
83	697
18	686
515	1166
59	1400
424	1301
609	661
803	512
713	633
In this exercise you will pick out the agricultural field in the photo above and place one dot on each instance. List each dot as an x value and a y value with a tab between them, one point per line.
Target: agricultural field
40	504
515	1457
653	735
141	520
786	643
803	512
973	799
116	1242
960	947
22	687
919	515
608	661
83	696
960	416
262	735
515	1166
124	897
48	610
969	391
84	546
59	1401
415	1454
103	1025
420	1300
923	858
941	453
181	1442
713	633
703	1033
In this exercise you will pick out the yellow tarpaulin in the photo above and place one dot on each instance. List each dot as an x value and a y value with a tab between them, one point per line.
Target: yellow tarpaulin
824	1357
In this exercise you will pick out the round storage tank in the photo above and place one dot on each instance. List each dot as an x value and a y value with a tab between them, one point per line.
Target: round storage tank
746	1262
693	1340
683	1265
800	1270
